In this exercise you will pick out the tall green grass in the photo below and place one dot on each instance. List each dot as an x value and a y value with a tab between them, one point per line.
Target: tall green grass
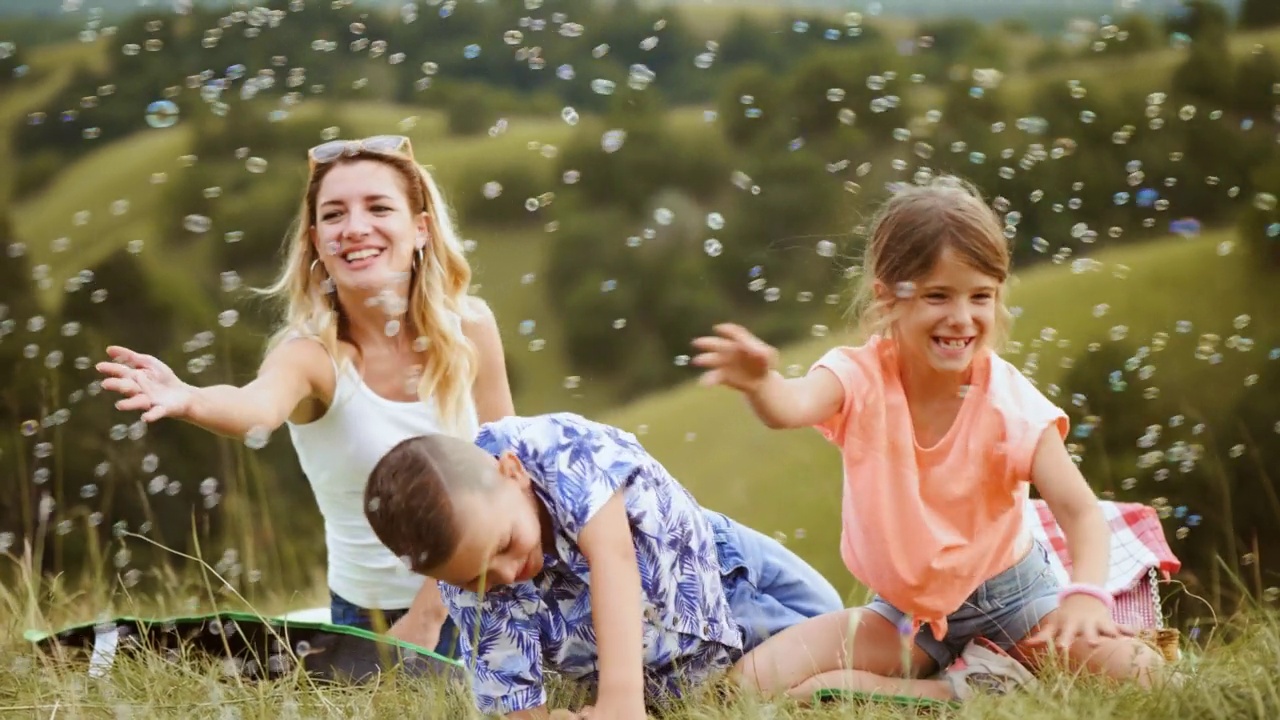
1225	676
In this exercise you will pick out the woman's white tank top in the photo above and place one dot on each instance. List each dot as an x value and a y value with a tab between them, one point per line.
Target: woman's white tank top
337	452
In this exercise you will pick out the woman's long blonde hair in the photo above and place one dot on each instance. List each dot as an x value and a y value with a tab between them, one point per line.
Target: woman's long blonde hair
438	288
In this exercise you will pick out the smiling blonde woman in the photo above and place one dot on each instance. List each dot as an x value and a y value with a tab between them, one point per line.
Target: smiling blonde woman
378	341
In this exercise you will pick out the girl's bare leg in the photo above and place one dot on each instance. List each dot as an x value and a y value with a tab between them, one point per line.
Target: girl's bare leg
1119	658
852	649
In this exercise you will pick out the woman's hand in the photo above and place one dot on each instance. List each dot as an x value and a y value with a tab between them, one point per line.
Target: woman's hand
146	384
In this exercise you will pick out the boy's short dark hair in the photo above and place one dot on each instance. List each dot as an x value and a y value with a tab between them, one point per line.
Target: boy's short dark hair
409	497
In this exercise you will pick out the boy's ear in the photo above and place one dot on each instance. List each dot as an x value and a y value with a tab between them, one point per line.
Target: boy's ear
510	467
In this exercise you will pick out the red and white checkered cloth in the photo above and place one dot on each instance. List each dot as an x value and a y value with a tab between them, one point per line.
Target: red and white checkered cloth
1137	543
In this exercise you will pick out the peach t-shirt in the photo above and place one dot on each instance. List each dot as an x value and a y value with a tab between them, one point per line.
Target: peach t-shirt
924	527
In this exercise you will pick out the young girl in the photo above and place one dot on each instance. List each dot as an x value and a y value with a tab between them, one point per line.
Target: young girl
379	341
940	438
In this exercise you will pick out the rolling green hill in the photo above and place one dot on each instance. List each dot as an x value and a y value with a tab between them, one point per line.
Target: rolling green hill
51	68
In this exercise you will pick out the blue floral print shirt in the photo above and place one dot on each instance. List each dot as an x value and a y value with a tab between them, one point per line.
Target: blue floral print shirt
513	632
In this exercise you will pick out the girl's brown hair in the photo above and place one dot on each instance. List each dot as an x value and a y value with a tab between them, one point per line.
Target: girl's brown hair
437	290
908	235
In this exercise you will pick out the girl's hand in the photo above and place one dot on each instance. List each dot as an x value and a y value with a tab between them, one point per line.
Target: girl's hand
1079	617
735	358
147	384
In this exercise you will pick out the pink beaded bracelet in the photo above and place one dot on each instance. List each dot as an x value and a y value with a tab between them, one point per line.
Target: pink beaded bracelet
1091	590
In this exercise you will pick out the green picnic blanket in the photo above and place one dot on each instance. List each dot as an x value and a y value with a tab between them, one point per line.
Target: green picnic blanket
252	646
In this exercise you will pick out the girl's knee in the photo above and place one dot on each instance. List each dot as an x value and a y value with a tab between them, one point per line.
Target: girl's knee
808	647
1125	659
1145	665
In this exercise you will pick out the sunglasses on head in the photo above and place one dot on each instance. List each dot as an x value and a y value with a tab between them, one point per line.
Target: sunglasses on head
378	145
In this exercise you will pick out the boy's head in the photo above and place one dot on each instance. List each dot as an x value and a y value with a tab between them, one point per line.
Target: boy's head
455	513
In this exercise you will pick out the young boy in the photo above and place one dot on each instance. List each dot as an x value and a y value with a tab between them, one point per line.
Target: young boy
560	543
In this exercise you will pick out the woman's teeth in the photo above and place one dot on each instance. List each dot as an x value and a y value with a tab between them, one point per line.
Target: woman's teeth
362	254
952	343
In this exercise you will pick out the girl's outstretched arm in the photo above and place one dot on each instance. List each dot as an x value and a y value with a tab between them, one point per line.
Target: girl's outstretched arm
737	359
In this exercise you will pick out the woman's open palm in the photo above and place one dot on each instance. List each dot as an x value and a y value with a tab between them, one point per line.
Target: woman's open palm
146	384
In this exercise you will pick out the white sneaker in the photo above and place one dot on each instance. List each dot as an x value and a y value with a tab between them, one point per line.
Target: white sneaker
984	667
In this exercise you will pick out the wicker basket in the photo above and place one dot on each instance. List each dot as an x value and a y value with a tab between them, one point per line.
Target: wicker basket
1164	640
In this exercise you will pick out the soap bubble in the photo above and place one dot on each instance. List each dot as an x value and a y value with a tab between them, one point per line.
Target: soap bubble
162	114
612	140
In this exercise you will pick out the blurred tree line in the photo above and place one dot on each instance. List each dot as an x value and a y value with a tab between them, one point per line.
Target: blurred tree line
664	228
474	60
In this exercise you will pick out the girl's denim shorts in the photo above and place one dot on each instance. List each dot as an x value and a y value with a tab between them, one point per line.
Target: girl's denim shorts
1004	609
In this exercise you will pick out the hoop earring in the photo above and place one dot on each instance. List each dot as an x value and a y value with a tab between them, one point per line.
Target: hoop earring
418	254
312	269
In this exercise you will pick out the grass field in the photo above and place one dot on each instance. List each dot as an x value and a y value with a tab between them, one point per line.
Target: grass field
1226	676
788	482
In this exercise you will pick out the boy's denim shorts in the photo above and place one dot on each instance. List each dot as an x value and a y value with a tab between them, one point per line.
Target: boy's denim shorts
769	588
1004	609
